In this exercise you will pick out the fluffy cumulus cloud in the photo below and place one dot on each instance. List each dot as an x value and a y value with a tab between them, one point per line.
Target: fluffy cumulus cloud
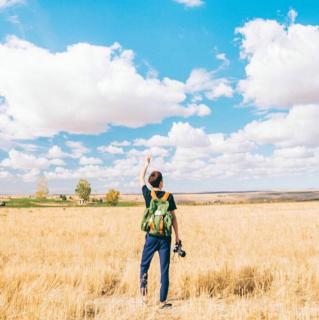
9	3
201	155
57	162
190	3
222	57
193	154
85	89
89	161
77	149
56	152
24	161
201	80
282	63
156	140
124	143
115	147
101	87
28	164
111	149
297	128
183	135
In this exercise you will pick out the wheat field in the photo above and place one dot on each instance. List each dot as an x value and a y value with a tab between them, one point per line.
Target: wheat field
253	261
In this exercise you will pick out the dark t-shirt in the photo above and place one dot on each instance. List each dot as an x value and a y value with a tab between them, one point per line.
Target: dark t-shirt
147	196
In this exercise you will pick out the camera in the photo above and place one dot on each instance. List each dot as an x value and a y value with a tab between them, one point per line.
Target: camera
178	249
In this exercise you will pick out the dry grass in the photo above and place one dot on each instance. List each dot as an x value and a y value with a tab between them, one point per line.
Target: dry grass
243	262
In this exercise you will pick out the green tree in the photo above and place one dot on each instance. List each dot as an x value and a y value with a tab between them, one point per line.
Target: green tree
83	189
112	197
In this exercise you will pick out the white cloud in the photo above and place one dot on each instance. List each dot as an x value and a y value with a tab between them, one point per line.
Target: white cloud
56	152
222	57
200	109
93	171
181	134
184	135
115	147
234	143
154	151
57	162
187	151
156	140
83	90
124	171
283	63
292	14
4	174
111	149
9	3
294	152
90	161
124	143
24	161
201	80
77	148
29	147
282	71
201	155
203	158
297	128
30	175
190	3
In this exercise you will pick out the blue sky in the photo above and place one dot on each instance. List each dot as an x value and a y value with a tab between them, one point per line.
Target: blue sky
223	94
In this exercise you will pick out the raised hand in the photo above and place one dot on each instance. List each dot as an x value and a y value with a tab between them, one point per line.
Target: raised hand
148	158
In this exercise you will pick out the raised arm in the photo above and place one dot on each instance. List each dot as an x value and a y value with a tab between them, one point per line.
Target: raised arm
144	169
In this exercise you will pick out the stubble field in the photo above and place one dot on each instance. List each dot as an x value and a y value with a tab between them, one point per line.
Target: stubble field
251	261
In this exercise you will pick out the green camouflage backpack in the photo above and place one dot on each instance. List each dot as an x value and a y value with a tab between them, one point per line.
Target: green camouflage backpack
157	220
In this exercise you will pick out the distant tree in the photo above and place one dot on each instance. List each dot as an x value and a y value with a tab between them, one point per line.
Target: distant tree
112	197
42	190
83	189
63	197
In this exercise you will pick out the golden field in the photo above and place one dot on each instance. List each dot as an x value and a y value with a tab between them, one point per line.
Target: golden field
250	261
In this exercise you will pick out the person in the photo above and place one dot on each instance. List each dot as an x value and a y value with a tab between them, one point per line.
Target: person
160	243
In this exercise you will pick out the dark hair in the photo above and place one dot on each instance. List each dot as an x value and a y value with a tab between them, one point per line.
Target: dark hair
155	179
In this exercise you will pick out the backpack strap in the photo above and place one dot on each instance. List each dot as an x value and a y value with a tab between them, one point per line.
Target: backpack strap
165	196
153	195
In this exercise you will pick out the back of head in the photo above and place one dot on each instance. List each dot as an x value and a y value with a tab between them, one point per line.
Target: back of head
155	179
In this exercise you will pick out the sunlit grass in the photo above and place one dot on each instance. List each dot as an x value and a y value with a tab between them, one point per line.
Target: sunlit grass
243	262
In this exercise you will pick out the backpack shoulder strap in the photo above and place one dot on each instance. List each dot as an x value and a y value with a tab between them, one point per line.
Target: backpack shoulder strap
153	195
165	196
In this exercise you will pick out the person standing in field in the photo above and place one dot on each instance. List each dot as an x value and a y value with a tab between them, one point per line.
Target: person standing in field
158	220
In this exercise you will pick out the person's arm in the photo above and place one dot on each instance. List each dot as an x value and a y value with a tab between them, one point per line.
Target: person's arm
175	226
144	169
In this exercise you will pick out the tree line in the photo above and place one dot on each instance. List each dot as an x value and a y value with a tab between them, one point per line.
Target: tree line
83	191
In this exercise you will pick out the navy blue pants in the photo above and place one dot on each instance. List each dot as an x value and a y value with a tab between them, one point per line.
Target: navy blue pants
163	246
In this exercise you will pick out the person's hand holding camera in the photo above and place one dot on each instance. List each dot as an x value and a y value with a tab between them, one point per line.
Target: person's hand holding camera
178	249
